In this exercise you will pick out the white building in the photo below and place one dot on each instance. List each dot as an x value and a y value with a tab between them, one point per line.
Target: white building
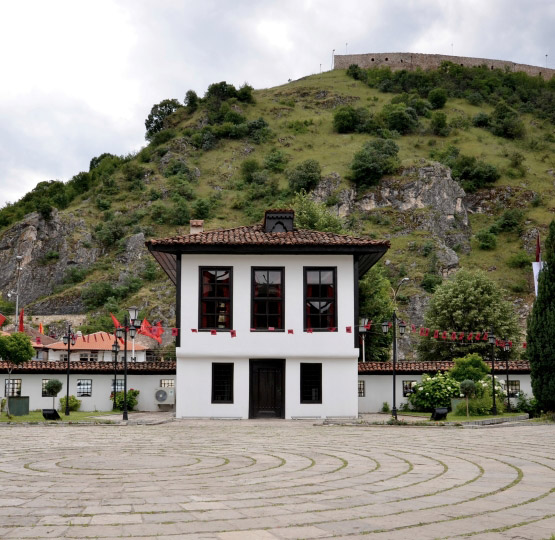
268	319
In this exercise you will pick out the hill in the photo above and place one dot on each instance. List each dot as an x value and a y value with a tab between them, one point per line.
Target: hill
471	185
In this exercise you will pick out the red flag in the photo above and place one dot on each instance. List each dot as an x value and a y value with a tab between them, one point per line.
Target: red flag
309	330
412	328
174	332
233	333
194	330
444	335
421	333
368	325
115	321
538	249
38	340
461	336
41	329
524	345
349	329
436	334
469	337
2	319
477	336
290	331
426	332
453	336
21	328
213	333
485	336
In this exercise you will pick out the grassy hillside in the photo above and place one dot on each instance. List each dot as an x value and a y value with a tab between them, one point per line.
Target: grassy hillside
183	173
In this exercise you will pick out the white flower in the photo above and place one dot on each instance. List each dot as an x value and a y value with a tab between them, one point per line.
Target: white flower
461	395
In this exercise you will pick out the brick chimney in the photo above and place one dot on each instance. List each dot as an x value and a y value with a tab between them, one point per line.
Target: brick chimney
197	226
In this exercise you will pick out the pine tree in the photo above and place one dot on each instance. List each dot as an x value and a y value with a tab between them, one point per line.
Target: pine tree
541	330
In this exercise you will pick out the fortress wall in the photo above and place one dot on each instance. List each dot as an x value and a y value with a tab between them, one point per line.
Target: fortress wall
397	61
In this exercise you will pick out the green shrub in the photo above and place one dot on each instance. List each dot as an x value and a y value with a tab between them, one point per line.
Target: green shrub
345	119
528	405
438	124
248	168
400	118
276	160
377	157
150	271
470	367
486	240
132	399
519	260
510	220
505	122
201	209
437	97
191	101
481	120
305	176
75	275
385	407
74	403
430	282
155	121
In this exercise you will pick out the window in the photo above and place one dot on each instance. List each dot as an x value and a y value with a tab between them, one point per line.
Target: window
44	383
514	388
84	387
12	387
267	298
222	383
215	299
88	356
118	384
320	299
63	357
361	388
311	383
407	388
167	383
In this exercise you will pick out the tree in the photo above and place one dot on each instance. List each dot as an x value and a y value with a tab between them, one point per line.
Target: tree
468	389
345	119
375	303
468	302
437	97
541	330
15	349
438	124
375	159
158	114
305	176
52	388
314	216
470	367
191	101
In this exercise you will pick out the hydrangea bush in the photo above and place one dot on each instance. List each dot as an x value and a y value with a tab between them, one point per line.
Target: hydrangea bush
433	392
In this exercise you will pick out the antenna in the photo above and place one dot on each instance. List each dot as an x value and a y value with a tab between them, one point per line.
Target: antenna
346	47
451	49
332	58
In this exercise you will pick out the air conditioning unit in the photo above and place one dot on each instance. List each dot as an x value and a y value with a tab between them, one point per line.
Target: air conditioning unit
165	396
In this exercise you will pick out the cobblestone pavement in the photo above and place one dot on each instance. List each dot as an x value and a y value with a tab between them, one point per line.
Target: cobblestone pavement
276	479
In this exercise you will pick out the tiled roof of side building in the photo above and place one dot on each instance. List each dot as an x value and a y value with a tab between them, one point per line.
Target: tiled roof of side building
99	341
37	366
255	235
386	368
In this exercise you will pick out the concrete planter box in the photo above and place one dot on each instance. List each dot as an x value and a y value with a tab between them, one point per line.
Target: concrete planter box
19	405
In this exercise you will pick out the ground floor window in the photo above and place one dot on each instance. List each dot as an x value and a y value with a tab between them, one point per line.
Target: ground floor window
84	387
407	388
514	388
361	389
118	384
12	387
311	383
222	383
44	392
167	383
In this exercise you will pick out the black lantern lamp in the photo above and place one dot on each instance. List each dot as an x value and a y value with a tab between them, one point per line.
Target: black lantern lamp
69	339
362	331
491	340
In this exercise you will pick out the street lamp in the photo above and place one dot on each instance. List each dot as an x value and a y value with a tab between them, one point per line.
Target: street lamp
69	339
115	350
491	339
129	327
362	331
18	259
507	349
402	328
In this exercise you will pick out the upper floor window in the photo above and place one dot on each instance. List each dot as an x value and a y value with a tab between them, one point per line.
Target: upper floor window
267	298
89	355
320	293
215	298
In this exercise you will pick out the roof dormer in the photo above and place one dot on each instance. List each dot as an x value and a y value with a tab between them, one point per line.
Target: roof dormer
278	220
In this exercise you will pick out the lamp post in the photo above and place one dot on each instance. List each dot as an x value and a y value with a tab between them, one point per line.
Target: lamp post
129	327
18	258
491	339
115	350
507	349
385	329
69	339
362	331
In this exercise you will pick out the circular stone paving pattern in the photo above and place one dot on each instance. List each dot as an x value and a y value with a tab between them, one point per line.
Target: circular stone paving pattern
276	479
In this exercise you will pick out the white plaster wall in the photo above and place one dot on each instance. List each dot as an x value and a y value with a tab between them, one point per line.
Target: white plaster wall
379	388
248	344
103	356
31	385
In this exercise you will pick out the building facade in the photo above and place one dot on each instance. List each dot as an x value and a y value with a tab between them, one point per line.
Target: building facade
268	319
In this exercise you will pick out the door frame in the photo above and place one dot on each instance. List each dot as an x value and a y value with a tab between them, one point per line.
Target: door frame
252	363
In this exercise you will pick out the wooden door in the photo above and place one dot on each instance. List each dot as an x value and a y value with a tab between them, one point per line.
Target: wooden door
267	389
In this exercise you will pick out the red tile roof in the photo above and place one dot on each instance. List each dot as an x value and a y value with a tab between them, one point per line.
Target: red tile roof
386	368
99	341
255	235
133	368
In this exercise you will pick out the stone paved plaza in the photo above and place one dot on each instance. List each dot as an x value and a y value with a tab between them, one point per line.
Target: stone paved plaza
276	479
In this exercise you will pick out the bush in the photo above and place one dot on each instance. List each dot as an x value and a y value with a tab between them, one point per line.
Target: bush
248	168
505	122
132	399
376	158
276	160
74	403
433	392
156	119
191	101
345	119
437	97
400	118
430	282
519	260
486	240
481	120
201	209
510	220
528	405
438	124
305	176
469	367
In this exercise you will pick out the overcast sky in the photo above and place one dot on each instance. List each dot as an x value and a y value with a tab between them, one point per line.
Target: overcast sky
79	77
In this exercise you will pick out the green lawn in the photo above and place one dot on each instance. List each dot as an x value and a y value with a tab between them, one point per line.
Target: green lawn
75	416
451	417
